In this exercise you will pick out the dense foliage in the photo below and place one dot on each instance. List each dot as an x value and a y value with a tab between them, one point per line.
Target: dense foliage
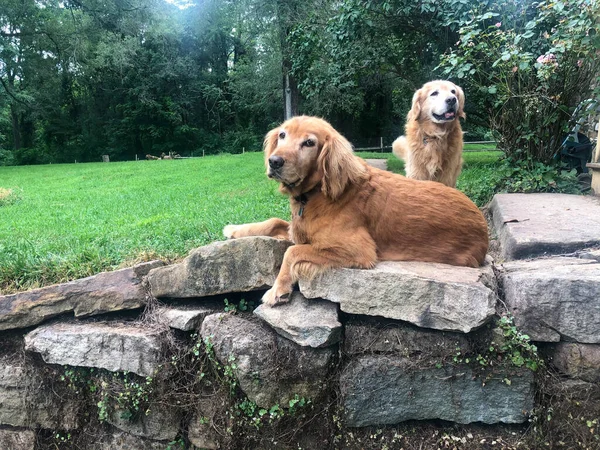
84	78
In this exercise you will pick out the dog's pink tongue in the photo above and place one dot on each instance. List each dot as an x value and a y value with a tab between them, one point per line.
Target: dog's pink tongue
448	115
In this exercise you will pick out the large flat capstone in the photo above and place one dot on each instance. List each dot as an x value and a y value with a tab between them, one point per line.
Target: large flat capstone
270	369
237	265
113	346
98	294
531	225
429	295
554	299
384	390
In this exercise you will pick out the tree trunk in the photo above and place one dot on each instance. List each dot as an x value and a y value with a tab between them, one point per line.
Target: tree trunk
16	129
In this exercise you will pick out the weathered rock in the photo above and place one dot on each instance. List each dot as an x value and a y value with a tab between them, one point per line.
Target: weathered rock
590	254
380	390
201	432
531	225
376	336
26	402
237	265
270	369
125	441
429	295
17	439
577	360
108	345
187	317
99	294
554	297
312	323
162	423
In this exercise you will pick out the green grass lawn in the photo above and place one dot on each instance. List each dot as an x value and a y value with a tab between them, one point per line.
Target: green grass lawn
61	222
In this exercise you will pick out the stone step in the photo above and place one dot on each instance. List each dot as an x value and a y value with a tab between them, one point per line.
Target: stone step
312	323
429	295
114	346
103	293
532	225
554	299
385	390
237	265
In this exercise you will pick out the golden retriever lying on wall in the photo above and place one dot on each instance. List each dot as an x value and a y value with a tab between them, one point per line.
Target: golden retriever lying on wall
348	214
432	148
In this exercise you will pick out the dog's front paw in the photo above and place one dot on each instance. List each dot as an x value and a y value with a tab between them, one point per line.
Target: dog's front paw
273	298
229	231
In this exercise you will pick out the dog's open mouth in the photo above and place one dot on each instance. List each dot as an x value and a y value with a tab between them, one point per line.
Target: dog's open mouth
447	116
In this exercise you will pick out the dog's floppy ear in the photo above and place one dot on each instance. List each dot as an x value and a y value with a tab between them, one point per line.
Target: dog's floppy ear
415	110
338	165
461	102
270	143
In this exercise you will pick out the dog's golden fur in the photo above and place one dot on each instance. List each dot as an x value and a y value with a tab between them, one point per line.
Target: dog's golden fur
348	214
432	148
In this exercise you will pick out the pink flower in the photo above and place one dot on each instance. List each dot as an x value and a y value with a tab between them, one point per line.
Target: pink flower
498	24
514	69
579	62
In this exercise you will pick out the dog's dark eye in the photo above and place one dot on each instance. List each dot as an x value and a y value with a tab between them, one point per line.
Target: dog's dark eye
309	143
434	93
282	135
453	91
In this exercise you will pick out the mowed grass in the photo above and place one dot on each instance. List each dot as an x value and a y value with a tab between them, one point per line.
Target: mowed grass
62	222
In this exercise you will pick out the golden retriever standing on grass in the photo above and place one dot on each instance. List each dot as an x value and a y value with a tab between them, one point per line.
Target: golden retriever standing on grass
348	214
432	147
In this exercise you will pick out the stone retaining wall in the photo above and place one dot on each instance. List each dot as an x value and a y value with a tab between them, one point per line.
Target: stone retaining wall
177	356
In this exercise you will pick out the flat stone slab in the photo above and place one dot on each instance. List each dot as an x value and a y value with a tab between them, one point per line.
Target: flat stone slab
270	369
381	390
106	292
118	347
377	163
429	295
554	299
187	317
236	265
531	225
312	323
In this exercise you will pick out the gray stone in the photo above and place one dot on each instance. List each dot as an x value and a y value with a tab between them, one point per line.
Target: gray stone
379	337
591	254
26	402
162	423
201	431
378	163
186	317
380	390
270	369
429	295
17	439
125	441
99	294
113	346
237	265
312	323
554	298
531	225
577	360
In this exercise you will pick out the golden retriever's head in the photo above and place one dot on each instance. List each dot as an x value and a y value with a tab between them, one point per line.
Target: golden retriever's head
305	151
439	101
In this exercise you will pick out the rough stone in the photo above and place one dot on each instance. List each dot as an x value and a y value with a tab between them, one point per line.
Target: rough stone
270	369
429	295
531	225
125	441
379	337
113	346
187	317
380	390
201	431
312	323
162	423
99	294
17	439
577	360
554	298
237	265
25	402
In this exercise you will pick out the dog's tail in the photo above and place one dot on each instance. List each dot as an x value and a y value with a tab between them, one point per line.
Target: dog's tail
400	147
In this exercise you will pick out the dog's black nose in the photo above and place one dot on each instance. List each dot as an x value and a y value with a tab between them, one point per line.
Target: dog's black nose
451	101
276	162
